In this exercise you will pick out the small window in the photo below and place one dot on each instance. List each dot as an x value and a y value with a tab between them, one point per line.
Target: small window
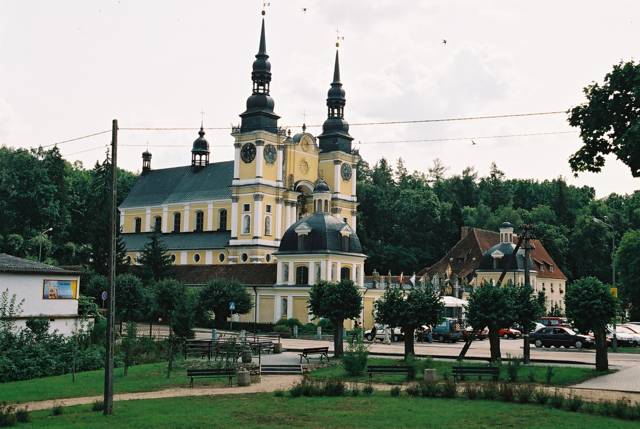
346	241
267	225
173	257
246	224
285	273
302	275
176	222
199	221
245	257
221	257
318	272
268	208
284	308
344	219
268	258
246	207
326	206
157	223
196	258
334	271
303	242
223	220
138	224
345	273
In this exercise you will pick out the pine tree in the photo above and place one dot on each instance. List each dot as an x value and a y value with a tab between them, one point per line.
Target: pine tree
156	263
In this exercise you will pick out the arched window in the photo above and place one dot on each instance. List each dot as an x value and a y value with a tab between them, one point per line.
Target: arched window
267	225
326	206
157	223
176	222
138	224
223	220
346	241
246	224
345	273
302	275
199	221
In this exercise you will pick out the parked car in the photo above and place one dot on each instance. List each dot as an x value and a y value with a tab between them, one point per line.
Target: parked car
554	321
537	327
478	334
624	336
448	331
395	334
509	333
560	336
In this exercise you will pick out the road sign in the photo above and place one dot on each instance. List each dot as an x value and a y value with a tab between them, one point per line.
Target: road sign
104	295
232	306
614	291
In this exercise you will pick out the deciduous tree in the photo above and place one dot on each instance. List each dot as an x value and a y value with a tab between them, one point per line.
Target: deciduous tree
216	296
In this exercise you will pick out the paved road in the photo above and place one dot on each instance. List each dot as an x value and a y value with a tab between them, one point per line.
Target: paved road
626	380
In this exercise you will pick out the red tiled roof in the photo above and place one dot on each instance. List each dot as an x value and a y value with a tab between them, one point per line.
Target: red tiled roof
464	256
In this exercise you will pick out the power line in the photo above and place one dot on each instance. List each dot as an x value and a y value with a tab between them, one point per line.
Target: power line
501	136
77	138
87	150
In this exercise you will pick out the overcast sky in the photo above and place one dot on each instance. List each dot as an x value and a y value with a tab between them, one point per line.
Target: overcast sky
68	67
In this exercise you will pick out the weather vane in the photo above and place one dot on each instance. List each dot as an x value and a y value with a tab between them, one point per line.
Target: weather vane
339	37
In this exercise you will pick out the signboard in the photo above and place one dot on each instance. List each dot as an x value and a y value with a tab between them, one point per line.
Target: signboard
232	306
104	295
60	289
614	291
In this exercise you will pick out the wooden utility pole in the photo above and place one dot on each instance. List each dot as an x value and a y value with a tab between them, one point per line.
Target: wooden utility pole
111	307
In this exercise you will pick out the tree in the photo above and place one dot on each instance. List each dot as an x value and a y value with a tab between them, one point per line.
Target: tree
591	307
609	121
421	305
156	262
216	296
131	298
337	302
491	306
169	298
527	309
591	249
627	263
437	171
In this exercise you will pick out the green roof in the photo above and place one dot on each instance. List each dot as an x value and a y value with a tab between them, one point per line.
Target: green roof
181	185
180	241
13	264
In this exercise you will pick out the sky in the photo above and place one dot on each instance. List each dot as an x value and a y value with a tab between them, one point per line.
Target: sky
67	68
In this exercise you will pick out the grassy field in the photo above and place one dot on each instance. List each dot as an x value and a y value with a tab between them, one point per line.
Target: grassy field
378	411
141	378
562	376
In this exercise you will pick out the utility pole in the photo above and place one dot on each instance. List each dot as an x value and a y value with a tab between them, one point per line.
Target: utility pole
527	283
111	308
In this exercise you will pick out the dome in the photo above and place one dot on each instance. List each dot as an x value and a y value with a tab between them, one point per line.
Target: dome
200	145
334	124
336	93
146	154
506	249
506	225
260	102
321	186
325	234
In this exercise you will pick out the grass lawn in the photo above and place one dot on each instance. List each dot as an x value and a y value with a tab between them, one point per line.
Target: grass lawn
377	411
562	376
141	378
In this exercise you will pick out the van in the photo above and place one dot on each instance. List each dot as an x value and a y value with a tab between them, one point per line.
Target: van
449	330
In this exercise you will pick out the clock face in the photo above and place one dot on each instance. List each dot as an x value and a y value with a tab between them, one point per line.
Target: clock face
345	170
270	153
248	152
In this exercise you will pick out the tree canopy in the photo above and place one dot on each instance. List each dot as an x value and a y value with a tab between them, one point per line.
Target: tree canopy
628	266
216	295
154	259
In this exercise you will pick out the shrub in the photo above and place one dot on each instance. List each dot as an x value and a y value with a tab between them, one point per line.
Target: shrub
97	406
334	388
622	409
489	391
355	390
354	359
368	390
506	392
573	403
428	362
471	391
23	415
589	408
449	389
430	389
57	410
411	363
282	330
556	400
540	396
413	390
548	375
278	393
513	366
7	415
309	388
525	393
296	390
395	391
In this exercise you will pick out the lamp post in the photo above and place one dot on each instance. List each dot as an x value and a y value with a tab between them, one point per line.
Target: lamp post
40	246
614	342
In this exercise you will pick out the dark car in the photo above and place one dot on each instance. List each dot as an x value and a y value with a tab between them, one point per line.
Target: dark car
448	331
559	336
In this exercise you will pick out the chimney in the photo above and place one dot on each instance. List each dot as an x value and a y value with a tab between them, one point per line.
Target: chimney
464	231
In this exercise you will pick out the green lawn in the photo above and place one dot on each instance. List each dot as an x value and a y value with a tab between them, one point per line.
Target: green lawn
378	411
141	378
562	376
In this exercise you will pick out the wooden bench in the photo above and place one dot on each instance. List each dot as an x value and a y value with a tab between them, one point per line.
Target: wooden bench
261	346
322	351
460	372
388	369
198	348
211	373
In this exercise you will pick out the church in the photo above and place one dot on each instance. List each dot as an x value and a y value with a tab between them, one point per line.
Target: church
281	215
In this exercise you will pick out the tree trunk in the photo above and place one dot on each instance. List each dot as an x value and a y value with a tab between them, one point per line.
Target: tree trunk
337	338
494	342
220	319
408	342
602	358
527	348
170	363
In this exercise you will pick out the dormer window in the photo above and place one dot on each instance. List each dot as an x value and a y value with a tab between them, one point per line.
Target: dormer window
497	256
303	231
345	234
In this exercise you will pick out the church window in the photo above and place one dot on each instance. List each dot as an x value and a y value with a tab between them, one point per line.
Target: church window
267	225
246	224
223	220
285	273
345	273
138	224
244	257
303	242
199	221
318	268
268	208
284	308
302	275
157	223
345	243
221	257
196	258
246	207
326	206
344	219
268	258
334	271
176	222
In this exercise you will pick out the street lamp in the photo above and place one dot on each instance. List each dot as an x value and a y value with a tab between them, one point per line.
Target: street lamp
614	342
40	247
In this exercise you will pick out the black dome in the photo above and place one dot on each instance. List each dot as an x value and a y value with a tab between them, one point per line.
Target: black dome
321	186
324	236
260	102
506	225
486	262
200	145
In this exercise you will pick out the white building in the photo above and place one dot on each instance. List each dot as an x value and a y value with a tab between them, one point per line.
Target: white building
45	291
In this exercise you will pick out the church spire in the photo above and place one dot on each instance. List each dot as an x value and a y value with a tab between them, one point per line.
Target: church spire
335	130
259	114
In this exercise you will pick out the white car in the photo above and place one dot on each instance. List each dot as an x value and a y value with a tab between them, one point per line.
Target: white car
537	327
395	334
624	336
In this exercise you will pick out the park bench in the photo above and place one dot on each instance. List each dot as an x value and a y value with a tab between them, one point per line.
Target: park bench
461	372
211	373
322	351
388	369
198	348
261	346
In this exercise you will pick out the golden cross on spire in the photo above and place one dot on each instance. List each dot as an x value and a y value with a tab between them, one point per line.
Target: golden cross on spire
265	4
339	37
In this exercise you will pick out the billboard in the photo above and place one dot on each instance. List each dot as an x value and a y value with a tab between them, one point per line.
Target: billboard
60	289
